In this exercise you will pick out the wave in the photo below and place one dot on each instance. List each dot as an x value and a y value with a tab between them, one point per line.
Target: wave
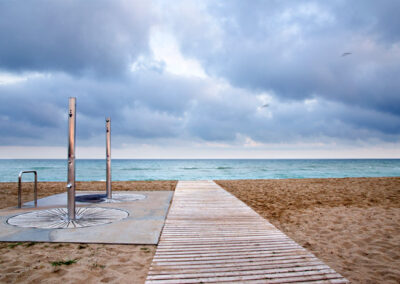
42	168
224	168
138	169
190	168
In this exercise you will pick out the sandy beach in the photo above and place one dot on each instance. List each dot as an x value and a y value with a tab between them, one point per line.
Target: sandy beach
92	263
352	224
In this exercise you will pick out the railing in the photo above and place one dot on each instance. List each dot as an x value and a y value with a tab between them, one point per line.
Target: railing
20	187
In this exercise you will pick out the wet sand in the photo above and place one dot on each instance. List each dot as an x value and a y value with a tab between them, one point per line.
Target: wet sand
352	224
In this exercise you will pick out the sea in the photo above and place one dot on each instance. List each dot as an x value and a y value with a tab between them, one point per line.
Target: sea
199	169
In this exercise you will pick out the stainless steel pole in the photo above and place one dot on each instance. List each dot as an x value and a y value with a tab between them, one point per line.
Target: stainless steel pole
20	190
108	157
35	189
71	158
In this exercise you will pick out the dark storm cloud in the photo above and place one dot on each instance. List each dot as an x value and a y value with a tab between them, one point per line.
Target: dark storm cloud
286	55
143	105
79	37
294	48
149	105
286	122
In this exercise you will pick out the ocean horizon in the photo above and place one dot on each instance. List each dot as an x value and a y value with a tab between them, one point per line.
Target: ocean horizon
199	169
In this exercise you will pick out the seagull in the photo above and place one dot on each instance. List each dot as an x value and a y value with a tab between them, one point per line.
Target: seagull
345	54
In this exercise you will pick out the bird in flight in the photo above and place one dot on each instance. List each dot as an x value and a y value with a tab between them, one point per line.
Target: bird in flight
346	54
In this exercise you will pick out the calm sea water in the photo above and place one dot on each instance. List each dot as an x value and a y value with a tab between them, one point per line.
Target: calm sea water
90	170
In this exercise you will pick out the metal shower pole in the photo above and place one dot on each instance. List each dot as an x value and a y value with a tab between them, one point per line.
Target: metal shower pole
108	157
71	158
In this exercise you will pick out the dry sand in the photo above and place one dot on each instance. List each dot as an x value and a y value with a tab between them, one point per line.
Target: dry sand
353	224
95	263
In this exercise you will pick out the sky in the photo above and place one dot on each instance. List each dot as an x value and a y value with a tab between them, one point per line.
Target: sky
201	79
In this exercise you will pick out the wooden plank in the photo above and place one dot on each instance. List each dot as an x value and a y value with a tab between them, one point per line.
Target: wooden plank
225	261
211	236
267	273
305	278
173	251
237	267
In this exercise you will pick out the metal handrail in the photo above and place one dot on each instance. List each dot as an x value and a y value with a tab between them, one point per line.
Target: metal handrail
20	189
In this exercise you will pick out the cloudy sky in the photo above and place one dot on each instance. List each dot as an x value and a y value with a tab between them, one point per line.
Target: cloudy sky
201	79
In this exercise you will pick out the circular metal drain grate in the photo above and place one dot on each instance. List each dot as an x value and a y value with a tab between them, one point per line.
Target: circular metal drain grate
57	218
116	198
90	198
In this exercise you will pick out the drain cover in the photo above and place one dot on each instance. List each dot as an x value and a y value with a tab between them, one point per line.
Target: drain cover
57	218
91	198
116	198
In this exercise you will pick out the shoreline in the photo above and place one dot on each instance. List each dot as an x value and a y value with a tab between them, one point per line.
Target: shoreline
352	224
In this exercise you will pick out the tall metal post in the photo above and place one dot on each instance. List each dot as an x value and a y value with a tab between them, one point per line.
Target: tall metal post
71	158
108	157
19	190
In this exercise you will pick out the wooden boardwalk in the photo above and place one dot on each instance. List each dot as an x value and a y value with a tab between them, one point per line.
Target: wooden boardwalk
211	236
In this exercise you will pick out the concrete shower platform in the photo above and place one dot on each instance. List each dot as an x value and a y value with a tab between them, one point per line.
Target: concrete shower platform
142	226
